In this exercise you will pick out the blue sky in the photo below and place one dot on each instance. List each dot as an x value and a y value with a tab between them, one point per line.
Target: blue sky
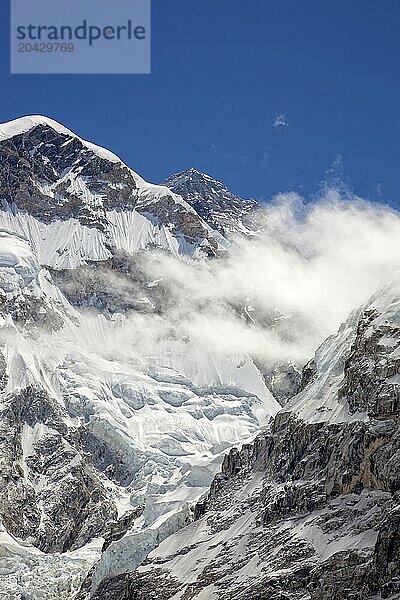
265	95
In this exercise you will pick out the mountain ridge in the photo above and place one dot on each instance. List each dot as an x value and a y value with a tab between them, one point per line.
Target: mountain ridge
220	207
48	175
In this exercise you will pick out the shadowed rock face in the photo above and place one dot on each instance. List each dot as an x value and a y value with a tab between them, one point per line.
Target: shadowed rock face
41	157
119	284
53	495
30	313
220	208
55	176
177	217
371	370
54	491
310	510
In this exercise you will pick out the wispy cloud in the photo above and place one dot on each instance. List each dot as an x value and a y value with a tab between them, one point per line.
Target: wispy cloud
265	159
237	159
276	296
280	121
312	265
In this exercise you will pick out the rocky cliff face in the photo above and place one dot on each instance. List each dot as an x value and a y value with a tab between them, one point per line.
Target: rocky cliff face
311	509
219	207
71	197
39	170
52	495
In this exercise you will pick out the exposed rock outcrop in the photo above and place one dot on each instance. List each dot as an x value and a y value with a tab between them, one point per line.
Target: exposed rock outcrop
310	510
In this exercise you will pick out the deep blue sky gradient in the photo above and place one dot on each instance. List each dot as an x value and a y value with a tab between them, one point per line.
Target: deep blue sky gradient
223	70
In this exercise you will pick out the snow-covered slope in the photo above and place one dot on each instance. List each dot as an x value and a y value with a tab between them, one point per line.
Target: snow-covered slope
76	202
323	399
27	572
18	264
311	509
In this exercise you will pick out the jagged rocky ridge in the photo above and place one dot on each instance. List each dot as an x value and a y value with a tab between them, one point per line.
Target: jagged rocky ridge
51	180
311	509
219	207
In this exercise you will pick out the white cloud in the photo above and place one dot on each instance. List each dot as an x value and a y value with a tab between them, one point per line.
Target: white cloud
299	280
280	121
276	296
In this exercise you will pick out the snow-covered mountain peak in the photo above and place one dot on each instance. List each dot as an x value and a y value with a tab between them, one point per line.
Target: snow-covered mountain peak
26	124
104	432
192	182
118	404
222	209
193	177
58	189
